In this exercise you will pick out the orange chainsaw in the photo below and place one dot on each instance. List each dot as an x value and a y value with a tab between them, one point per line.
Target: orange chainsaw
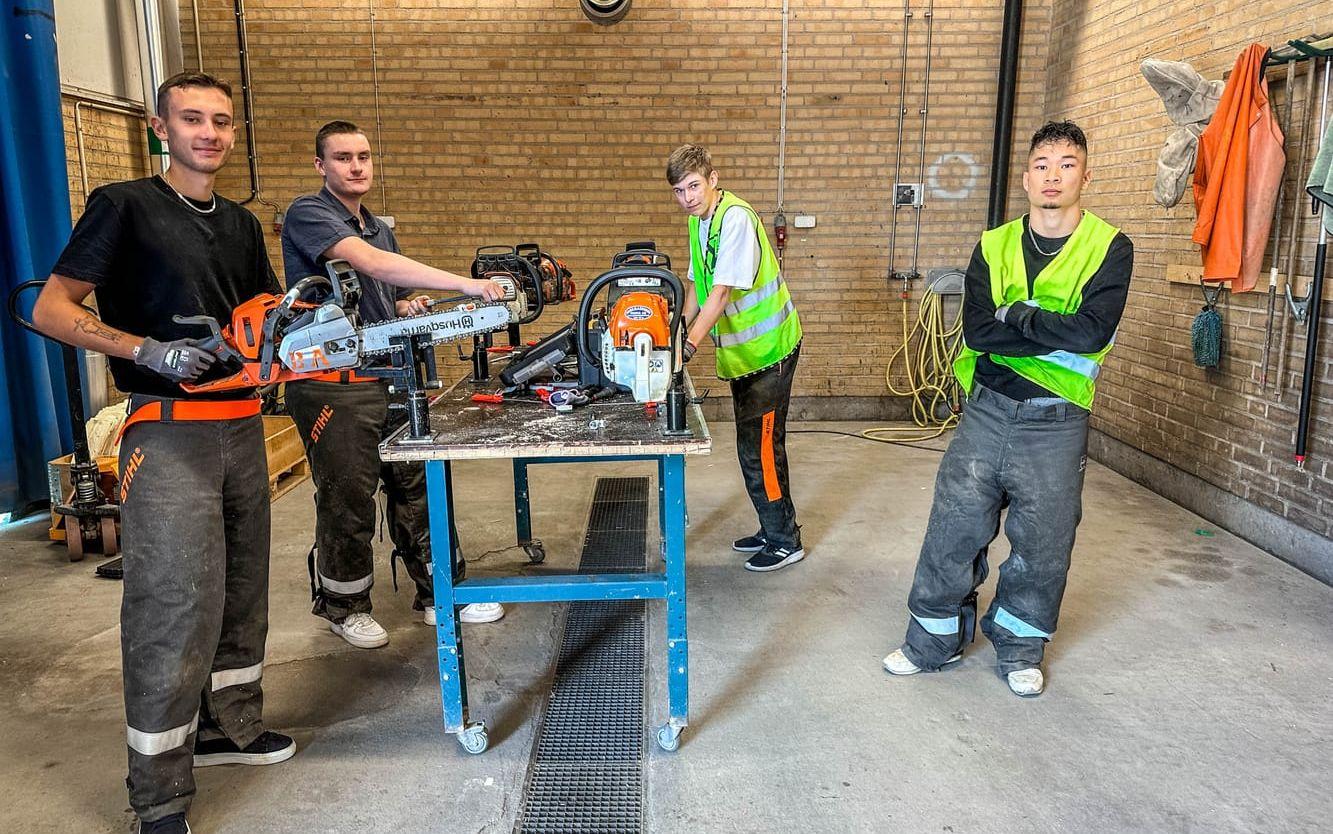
314	328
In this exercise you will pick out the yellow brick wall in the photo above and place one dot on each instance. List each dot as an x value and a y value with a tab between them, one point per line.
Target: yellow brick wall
1217	425
114	148
506	122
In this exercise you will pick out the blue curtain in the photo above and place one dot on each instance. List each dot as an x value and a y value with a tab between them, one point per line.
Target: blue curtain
34	225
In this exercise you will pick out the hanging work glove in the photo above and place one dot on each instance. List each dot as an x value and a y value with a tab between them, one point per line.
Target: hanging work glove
687	351
178	361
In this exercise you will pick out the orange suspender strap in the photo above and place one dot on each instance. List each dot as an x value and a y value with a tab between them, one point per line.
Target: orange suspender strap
168	411
772	488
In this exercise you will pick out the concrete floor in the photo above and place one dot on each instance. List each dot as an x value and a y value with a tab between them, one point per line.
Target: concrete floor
1188	684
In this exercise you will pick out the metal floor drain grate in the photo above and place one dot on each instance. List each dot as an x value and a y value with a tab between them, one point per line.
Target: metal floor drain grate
586	773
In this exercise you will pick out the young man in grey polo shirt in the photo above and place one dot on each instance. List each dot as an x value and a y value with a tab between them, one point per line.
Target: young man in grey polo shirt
342	418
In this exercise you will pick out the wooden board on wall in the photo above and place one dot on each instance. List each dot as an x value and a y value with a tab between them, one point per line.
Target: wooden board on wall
1189	274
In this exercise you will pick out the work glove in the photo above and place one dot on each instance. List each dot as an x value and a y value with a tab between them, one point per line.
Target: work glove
178	361
1015	315
687	351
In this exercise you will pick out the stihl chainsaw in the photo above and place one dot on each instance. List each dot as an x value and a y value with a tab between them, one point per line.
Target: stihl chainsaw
314	328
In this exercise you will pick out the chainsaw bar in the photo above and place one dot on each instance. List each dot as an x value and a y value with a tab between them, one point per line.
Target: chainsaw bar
461	322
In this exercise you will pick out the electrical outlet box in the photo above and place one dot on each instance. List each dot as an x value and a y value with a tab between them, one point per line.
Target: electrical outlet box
908	194
388	220
804	221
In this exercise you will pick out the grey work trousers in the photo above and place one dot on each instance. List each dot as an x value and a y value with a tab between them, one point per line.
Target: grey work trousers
1030	457
341	426
194	614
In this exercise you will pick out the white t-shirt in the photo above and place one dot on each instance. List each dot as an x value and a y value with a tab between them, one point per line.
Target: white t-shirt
737	250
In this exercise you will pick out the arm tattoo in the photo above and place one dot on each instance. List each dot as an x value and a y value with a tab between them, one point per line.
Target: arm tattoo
93	326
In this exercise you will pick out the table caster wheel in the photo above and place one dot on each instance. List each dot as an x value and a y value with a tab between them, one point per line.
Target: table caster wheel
474	739
668	737
536	552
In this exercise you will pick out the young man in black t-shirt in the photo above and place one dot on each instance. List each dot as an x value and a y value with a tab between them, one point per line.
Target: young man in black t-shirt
194	494
342	418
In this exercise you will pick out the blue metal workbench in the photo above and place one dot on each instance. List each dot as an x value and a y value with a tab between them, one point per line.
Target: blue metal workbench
531	434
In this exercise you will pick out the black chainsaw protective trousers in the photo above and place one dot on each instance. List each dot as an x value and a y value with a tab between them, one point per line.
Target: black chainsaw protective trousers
194	612
760	402
341	426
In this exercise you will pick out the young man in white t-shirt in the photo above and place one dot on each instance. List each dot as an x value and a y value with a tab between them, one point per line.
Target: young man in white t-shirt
740	297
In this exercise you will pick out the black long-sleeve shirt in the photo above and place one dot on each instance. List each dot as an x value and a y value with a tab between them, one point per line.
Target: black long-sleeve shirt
1030	331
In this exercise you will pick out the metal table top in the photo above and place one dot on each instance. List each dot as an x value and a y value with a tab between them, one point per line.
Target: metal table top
465	430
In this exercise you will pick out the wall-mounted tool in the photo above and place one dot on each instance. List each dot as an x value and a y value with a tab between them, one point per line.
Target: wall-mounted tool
1320	187
1276	246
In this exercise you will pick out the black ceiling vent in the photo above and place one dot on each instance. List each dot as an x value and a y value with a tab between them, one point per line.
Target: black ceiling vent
604	11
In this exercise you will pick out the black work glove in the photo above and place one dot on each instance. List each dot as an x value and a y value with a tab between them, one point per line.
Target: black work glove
687	351
178	361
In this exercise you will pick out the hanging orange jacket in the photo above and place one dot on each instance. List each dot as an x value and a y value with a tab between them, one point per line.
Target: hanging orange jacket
1237	176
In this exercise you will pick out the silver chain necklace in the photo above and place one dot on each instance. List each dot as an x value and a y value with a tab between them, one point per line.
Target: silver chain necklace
1032	237
187	201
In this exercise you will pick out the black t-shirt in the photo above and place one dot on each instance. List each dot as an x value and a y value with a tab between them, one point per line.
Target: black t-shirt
150	257
313	223
1088	330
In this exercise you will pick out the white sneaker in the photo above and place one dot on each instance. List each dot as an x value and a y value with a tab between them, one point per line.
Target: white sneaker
361	631
897	663
481	612
477	612
1026	683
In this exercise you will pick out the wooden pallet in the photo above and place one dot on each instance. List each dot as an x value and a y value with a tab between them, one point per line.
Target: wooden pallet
287	468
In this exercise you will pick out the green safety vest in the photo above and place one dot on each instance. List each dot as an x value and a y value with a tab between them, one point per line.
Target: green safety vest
1058	288
758	327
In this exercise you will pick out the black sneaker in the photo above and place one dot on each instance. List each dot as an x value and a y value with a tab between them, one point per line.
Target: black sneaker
750	544
174	824
773	558
269	748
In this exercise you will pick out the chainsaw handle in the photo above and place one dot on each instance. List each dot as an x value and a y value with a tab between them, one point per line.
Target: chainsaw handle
648	257
215	343
534	274
666	276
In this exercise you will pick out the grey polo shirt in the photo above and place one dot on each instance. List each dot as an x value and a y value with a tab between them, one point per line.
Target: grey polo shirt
313	223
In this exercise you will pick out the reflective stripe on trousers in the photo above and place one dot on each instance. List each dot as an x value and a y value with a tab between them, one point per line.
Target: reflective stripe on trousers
235	677
152	744
356	586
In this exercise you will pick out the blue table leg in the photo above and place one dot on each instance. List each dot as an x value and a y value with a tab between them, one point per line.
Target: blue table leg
661	504
678	661
522	510
453	682
523	514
